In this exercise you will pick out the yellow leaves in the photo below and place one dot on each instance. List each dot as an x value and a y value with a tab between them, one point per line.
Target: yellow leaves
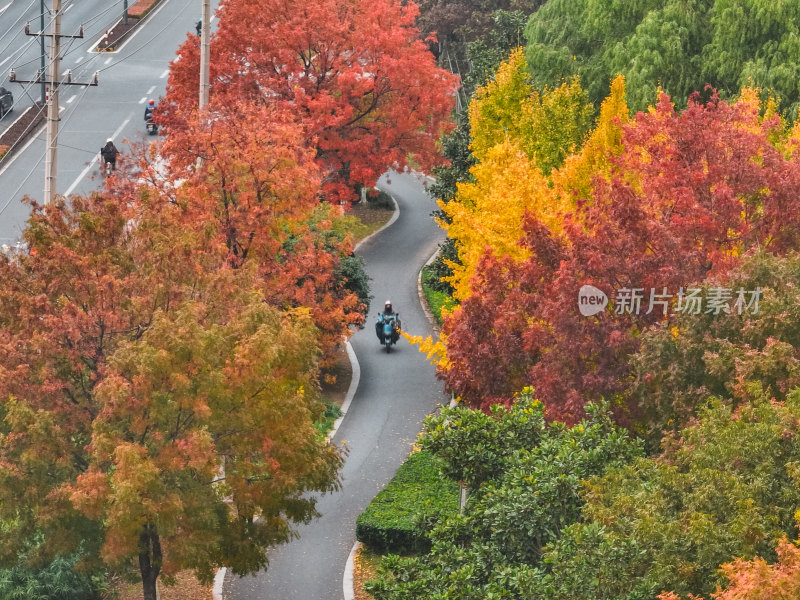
435	351
604	142
490	211
496	111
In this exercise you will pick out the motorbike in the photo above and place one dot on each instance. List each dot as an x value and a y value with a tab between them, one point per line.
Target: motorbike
107	168
151	127
386	329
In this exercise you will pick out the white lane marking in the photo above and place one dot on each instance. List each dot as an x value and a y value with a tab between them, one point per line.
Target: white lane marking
94	160
5	61
80	58
151	90
143	100
164	74
5	8
72	98
61	108
108	60
69	7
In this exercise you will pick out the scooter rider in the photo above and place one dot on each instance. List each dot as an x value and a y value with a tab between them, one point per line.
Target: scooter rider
109	153
148	111
388	314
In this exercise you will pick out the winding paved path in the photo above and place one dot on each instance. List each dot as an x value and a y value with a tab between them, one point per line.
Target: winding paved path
396	392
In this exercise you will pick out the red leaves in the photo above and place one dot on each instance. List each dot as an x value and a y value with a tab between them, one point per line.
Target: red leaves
690	193
354	74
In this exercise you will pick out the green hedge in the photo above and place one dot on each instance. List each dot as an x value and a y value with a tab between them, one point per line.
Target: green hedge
389	523
380	200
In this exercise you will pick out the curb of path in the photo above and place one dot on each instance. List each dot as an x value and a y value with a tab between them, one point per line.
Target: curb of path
347	580
423	302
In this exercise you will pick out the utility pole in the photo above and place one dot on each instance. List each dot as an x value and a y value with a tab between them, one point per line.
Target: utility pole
43	99
205	53
51	156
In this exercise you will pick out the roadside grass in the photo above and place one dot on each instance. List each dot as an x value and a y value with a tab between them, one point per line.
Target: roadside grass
437	301
363	220
332	412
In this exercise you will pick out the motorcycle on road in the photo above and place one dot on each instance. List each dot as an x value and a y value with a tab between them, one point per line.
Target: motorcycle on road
387	328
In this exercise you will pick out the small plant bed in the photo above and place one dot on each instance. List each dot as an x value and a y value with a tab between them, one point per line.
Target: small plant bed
117	34
19	128
372	216
336	378
365	567
418	490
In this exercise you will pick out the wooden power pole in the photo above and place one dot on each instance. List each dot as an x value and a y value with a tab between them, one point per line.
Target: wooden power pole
52	79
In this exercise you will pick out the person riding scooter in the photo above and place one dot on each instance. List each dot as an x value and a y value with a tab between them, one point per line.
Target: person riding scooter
150	125
388	314
109	154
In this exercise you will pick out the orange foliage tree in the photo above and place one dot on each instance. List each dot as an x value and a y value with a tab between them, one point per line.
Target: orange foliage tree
689	193
757	579
152	403
257	189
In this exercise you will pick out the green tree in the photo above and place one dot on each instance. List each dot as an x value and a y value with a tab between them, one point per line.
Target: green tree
524	477
678	46
726	487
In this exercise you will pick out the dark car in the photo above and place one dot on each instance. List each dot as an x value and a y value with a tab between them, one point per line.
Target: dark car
6	101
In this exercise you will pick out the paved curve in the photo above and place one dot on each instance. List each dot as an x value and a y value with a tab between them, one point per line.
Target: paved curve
396	392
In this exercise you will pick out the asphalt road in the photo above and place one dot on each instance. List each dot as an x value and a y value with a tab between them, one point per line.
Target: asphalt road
128	77
395	393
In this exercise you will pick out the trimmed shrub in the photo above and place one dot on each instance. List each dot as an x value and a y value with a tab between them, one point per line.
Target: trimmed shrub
379	199
141	8
388	525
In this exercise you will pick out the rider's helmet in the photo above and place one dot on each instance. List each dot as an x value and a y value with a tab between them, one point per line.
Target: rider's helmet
152	103
387	306
109	141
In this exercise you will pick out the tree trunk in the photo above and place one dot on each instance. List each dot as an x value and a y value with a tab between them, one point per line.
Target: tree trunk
149	560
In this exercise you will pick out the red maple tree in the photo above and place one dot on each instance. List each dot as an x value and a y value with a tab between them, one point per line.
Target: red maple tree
707	186
354	73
